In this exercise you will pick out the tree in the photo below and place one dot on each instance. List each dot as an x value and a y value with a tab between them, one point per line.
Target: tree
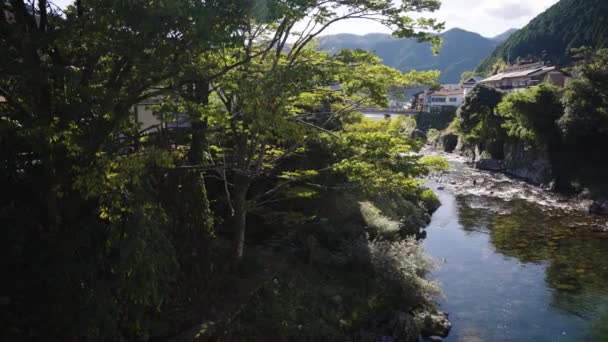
478	120
532	116
108	225
270	111
87	221
375	156
586	100
584	125
258	92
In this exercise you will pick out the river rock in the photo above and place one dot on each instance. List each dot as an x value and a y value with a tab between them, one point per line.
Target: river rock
390	327
436	324
599	207
529	164
432	339
489	164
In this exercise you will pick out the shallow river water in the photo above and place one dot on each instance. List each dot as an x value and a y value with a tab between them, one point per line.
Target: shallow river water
517	263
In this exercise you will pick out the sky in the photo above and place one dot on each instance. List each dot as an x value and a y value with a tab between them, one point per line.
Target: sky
486	17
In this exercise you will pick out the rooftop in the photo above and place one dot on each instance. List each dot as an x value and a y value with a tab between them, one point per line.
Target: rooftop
530	70
473	79
447	92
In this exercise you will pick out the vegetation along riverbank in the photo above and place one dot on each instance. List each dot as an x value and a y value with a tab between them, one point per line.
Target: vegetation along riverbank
550	136
227	170
196	170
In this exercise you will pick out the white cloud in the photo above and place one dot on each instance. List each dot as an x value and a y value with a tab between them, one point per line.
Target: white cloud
491	17
486	17
511	10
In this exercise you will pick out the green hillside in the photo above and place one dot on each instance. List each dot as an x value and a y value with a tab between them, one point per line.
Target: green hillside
551	35
504	36
460	51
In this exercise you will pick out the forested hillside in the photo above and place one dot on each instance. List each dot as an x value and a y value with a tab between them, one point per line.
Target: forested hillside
504	36
460	51
568	24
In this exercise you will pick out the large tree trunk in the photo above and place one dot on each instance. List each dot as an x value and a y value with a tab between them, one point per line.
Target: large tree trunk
241	187
198	218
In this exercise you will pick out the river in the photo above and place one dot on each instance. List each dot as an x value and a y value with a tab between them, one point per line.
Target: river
517	263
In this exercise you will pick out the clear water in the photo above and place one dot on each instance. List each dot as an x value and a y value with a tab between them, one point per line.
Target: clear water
516	263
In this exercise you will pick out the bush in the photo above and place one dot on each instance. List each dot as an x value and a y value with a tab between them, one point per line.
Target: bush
531	115
477	119
401	267
377	223
432	135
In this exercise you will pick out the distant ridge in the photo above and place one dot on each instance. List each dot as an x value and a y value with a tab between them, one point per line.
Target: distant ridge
504	36
460	51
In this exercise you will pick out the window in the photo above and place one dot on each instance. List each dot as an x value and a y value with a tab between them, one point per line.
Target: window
453	99
438	99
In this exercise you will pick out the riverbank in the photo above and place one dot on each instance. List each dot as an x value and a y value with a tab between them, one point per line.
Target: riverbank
530	165
355	273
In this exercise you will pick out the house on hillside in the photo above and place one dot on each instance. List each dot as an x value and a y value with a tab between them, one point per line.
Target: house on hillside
151	121
524	76
470	83
430	101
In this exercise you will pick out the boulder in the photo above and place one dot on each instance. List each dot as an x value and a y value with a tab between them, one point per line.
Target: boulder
390	327
489	165
529	164
436	324
599	207
433	339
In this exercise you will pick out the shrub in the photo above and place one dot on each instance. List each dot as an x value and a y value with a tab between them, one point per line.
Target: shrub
377	223
401	267
432	135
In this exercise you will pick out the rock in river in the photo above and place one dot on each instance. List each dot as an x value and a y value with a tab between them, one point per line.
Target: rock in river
599	207
489	165
436	324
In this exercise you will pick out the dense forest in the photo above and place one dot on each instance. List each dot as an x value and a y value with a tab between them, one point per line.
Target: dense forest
460	51
549	37
273	212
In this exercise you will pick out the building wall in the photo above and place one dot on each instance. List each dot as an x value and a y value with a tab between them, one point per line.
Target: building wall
145	117
450	101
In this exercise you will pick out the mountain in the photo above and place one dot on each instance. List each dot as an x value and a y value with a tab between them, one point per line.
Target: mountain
460	51
551	35
504	36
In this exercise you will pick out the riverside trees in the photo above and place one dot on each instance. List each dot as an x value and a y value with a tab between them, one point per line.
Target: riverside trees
105	228
570	124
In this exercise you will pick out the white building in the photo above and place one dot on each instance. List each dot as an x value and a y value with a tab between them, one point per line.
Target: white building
435	100
470	83
150	121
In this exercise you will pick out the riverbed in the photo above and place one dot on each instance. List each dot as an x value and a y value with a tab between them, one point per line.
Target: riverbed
517	263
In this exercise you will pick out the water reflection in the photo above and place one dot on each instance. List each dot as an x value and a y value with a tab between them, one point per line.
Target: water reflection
576	257
527	267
